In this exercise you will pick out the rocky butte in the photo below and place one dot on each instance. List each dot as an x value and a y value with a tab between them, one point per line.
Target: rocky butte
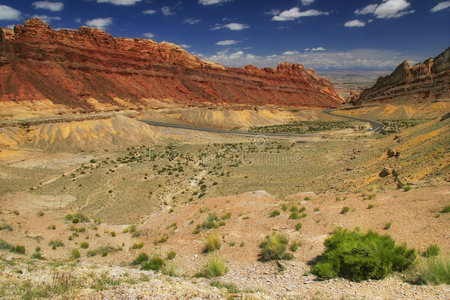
89	70
424	82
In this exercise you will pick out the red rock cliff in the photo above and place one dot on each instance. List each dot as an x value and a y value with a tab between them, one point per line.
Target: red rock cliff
86	66
427	81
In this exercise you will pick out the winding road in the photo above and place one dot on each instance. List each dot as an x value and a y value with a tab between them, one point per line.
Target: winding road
215	130
376	126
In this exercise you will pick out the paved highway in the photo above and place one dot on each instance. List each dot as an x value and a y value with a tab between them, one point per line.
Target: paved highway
376	126
214	130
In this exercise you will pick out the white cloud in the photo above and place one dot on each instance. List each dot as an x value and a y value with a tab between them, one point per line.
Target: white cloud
388	9
9	13
120	2
100	23
231	26
185	46
227	42
149	12
167	11
354	23
47	19
191	21
441	6
307	2
212	2
148	35
53	6
351	60
289	52
272	12
318	49
295	13
369	9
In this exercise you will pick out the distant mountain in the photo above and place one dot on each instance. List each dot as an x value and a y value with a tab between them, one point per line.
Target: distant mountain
89	70
424	82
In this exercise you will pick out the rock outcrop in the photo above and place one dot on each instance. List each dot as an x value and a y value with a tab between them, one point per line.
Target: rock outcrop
90	70
424	82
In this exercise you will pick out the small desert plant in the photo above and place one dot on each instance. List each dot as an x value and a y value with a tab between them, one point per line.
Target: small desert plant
284	207
407	188
142	257
212	243
345	210
214	267
155	263
171	255
294	208
294	216
37	253
434	270
446	209
84	245
294	246
55	244
432	250
370	206
171	269
298	226
76	253
358	256
274	247
274	214
137	246
161	240
388	226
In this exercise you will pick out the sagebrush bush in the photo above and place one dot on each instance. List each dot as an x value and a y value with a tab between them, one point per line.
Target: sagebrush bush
345	210
434	270
76	253
215	267
212	243
274	213
358	256
432	250
155	263
142	257
171	255
274	247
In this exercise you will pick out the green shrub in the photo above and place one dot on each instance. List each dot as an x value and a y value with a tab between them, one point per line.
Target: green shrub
76	253
446	209
294	246
407	188
19	249
432	250
357	256
84	245
274	214
284	207
55	244
294	216
345	210
142	257
155	263
171	255
274	247
215	267
212	243
434	270
294	208
388	226
370	206
37	253
298	226
161	240
137	245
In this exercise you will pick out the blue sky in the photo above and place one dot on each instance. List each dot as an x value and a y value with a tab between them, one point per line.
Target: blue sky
323	34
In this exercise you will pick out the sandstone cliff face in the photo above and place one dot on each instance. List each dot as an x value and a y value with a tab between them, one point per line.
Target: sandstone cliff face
424	82
89	69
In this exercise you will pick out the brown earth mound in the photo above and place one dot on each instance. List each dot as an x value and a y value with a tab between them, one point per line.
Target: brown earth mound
90	70
424	82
